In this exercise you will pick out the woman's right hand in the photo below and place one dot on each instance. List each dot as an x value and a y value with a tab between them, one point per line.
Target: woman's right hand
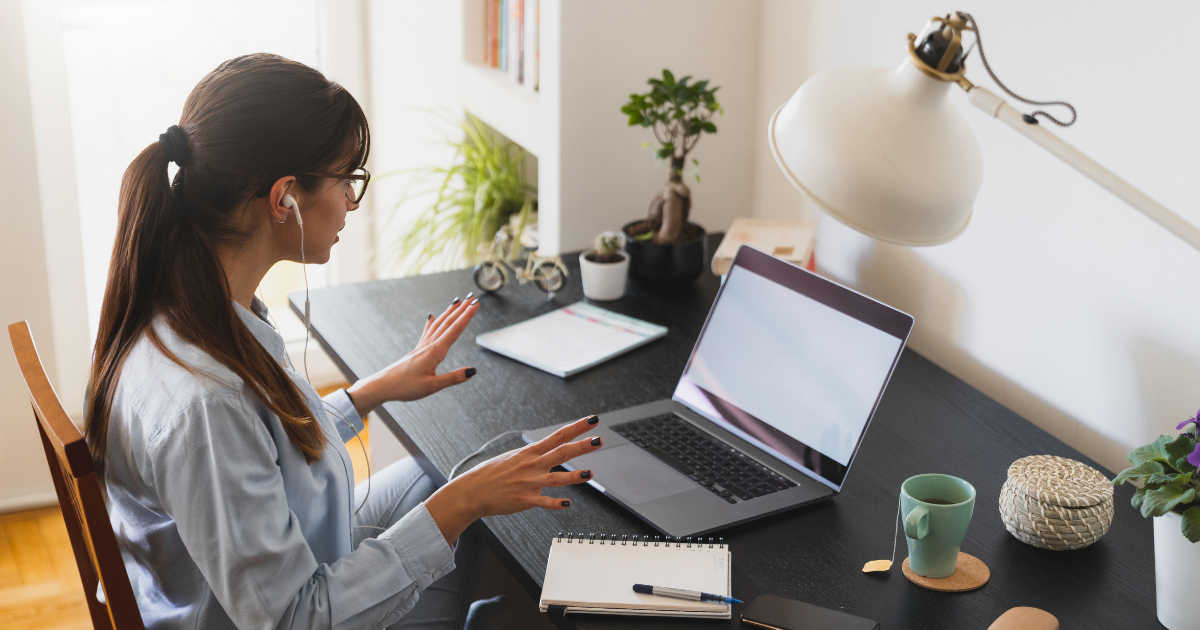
513	482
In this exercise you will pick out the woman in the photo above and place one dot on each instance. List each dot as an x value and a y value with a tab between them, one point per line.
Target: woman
230	488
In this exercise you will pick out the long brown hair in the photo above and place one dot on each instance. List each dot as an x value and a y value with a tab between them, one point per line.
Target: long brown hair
250	122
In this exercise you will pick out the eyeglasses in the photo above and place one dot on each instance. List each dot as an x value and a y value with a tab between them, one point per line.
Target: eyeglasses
356	187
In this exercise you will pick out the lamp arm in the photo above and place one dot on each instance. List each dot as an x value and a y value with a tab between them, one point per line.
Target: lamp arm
997	107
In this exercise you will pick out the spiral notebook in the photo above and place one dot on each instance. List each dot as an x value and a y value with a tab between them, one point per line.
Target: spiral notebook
596	574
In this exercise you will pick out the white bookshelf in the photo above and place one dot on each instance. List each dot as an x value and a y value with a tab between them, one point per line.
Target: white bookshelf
593	173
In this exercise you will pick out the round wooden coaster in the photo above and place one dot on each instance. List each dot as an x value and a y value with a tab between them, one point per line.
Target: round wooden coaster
969	574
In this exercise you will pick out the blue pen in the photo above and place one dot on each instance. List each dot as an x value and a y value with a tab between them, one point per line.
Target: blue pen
679	593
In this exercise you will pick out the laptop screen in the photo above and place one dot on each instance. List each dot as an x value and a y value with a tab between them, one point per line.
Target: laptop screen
794	363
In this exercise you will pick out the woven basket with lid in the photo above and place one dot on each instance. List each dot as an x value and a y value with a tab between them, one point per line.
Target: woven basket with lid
1056	503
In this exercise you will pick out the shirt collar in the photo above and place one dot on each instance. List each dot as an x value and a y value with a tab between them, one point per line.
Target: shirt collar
262	329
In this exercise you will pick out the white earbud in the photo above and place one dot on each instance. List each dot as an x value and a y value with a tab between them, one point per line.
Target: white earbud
290	202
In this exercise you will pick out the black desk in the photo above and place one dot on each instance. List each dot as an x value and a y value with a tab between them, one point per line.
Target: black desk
928	421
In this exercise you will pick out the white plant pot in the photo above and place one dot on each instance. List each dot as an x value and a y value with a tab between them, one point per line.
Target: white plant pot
1176	573
604	281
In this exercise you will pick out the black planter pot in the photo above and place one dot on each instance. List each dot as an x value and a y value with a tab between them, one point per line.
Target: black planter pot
665	266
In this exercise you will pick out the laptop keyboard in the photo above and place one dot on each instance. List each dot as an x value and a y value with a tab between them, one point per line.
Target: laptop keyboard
724	470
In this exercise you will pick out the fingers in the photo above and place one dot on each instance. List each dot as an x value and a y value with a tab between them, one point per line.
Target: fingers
567	452
455	310
565	434
456	377
552	503
448	330
559	479
428	327
433	322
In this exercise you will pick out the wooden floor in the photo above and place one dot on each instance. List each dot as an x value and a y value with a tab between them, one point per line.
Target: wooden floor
39	581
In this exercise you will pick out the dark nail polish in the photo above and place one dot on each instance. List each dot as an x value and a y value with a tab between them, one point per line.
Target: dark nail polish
430	316
474	302
566	504
587	474
456	301
593	419
470	372
469	295
595	441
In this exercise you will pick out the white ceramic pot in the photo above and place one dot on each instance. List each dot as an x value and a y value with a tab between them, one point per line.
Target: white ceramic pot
1176	573
604	281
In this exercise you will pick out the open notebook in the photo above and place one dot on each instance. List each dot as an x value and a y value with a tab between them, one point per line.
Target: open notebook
571	339
590	574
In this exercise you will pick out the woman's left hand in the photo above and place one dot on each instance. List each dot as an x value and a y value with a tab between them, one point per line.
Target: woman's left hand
415	375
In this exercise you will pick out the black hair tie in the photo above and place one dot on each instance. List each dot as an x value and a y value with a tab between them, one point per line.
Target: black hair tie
175	145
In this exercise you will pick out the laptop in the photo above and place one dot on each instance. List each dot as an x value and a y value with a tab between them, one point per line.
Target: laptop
769	413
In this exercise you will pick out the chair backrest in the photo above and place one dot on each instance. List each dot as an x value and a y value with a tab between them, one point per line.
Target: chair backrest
92	539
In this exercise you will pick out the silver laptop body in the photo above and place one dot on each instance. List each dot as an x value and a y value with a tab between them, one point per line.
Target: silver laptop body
769	413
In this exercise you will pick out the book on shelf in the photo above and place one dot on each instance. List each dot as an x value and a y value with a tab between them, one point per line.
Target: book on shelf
511	39
491	35
503	26
515	40
787	240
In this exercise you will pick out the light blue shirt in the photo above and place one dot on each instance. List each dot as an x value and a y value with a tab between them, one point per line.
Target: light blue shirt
221	521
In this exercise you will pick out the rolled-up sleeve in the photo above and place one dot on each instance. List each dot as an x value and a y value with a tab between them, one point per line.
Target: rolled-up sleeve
340	408
215	472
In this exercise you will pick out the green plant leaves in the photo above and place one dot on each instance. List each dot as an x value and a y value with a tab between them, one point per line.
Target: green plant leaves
1138	497
1180	479
1152	452
476	195
1141	471
1191	524
1177	451
678	112
1162	499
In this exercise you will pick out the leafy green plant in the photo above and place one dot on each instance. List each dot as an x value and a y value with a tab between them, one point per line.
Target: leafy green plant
476	195
678	112
1170	470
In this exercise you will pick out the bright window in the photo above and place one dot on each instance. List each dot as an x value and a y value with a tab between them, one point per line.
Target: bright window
130	67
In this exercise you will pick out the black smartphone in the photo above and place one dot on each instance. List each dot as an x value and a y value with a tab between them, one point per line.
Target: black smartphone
780	613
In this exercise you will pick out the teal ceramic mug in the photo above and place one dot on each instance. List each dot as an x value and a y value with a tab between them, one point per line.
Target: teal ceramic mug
936	511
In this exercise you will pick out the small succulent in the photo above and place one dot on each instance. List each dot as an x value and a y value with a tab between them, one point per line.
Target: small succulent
1170	470
607	247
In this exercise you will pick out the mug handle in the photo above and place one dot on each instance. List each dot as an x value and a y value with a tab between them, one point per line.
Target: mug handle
916	524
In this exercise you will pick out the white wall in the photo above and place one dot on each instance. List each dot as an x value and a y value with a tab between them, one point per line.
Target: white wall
23	469
1059	301
609	50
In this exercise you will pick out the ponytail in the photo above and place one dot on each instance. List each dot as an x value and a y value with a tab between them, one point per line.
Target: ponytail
251	121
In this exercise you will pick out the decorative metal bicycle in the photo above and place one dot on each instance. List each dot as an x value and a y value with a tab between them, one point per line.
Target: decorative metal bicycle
547	273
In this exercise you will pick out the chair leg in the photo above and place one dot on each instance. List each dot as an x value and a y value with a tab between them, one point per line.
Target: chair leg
97	610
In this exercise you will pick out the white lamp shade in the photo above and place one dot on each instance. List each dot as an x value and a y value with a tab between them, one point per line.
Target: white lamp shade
883	151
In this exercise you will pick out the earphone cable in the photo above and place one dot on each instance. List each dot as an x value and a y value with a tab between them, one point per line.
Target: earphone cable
304	360
479	450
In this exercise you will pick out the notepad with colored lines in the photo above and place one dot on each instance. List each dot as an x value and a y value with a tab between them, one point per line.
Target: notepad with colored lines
586	574
571	339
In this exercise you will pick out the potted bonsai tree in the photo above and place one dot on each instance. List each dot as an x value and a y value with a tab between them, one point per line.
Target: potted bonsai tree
666	248
1170	471
604	268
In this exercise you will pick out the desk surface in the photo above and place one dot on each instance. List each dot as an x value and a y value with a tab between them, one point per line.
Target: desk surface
928	421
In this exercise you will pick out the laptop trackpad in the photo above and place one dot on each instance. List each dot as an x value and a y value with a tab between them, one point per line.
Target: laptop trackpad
634	474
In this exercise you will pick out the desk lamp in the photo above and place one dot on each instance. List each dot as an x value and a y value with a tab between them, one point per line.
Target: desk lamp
885	152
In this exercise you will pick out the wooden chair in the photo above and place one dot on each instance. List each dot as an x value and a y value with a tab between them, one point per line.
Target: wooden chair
92	539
